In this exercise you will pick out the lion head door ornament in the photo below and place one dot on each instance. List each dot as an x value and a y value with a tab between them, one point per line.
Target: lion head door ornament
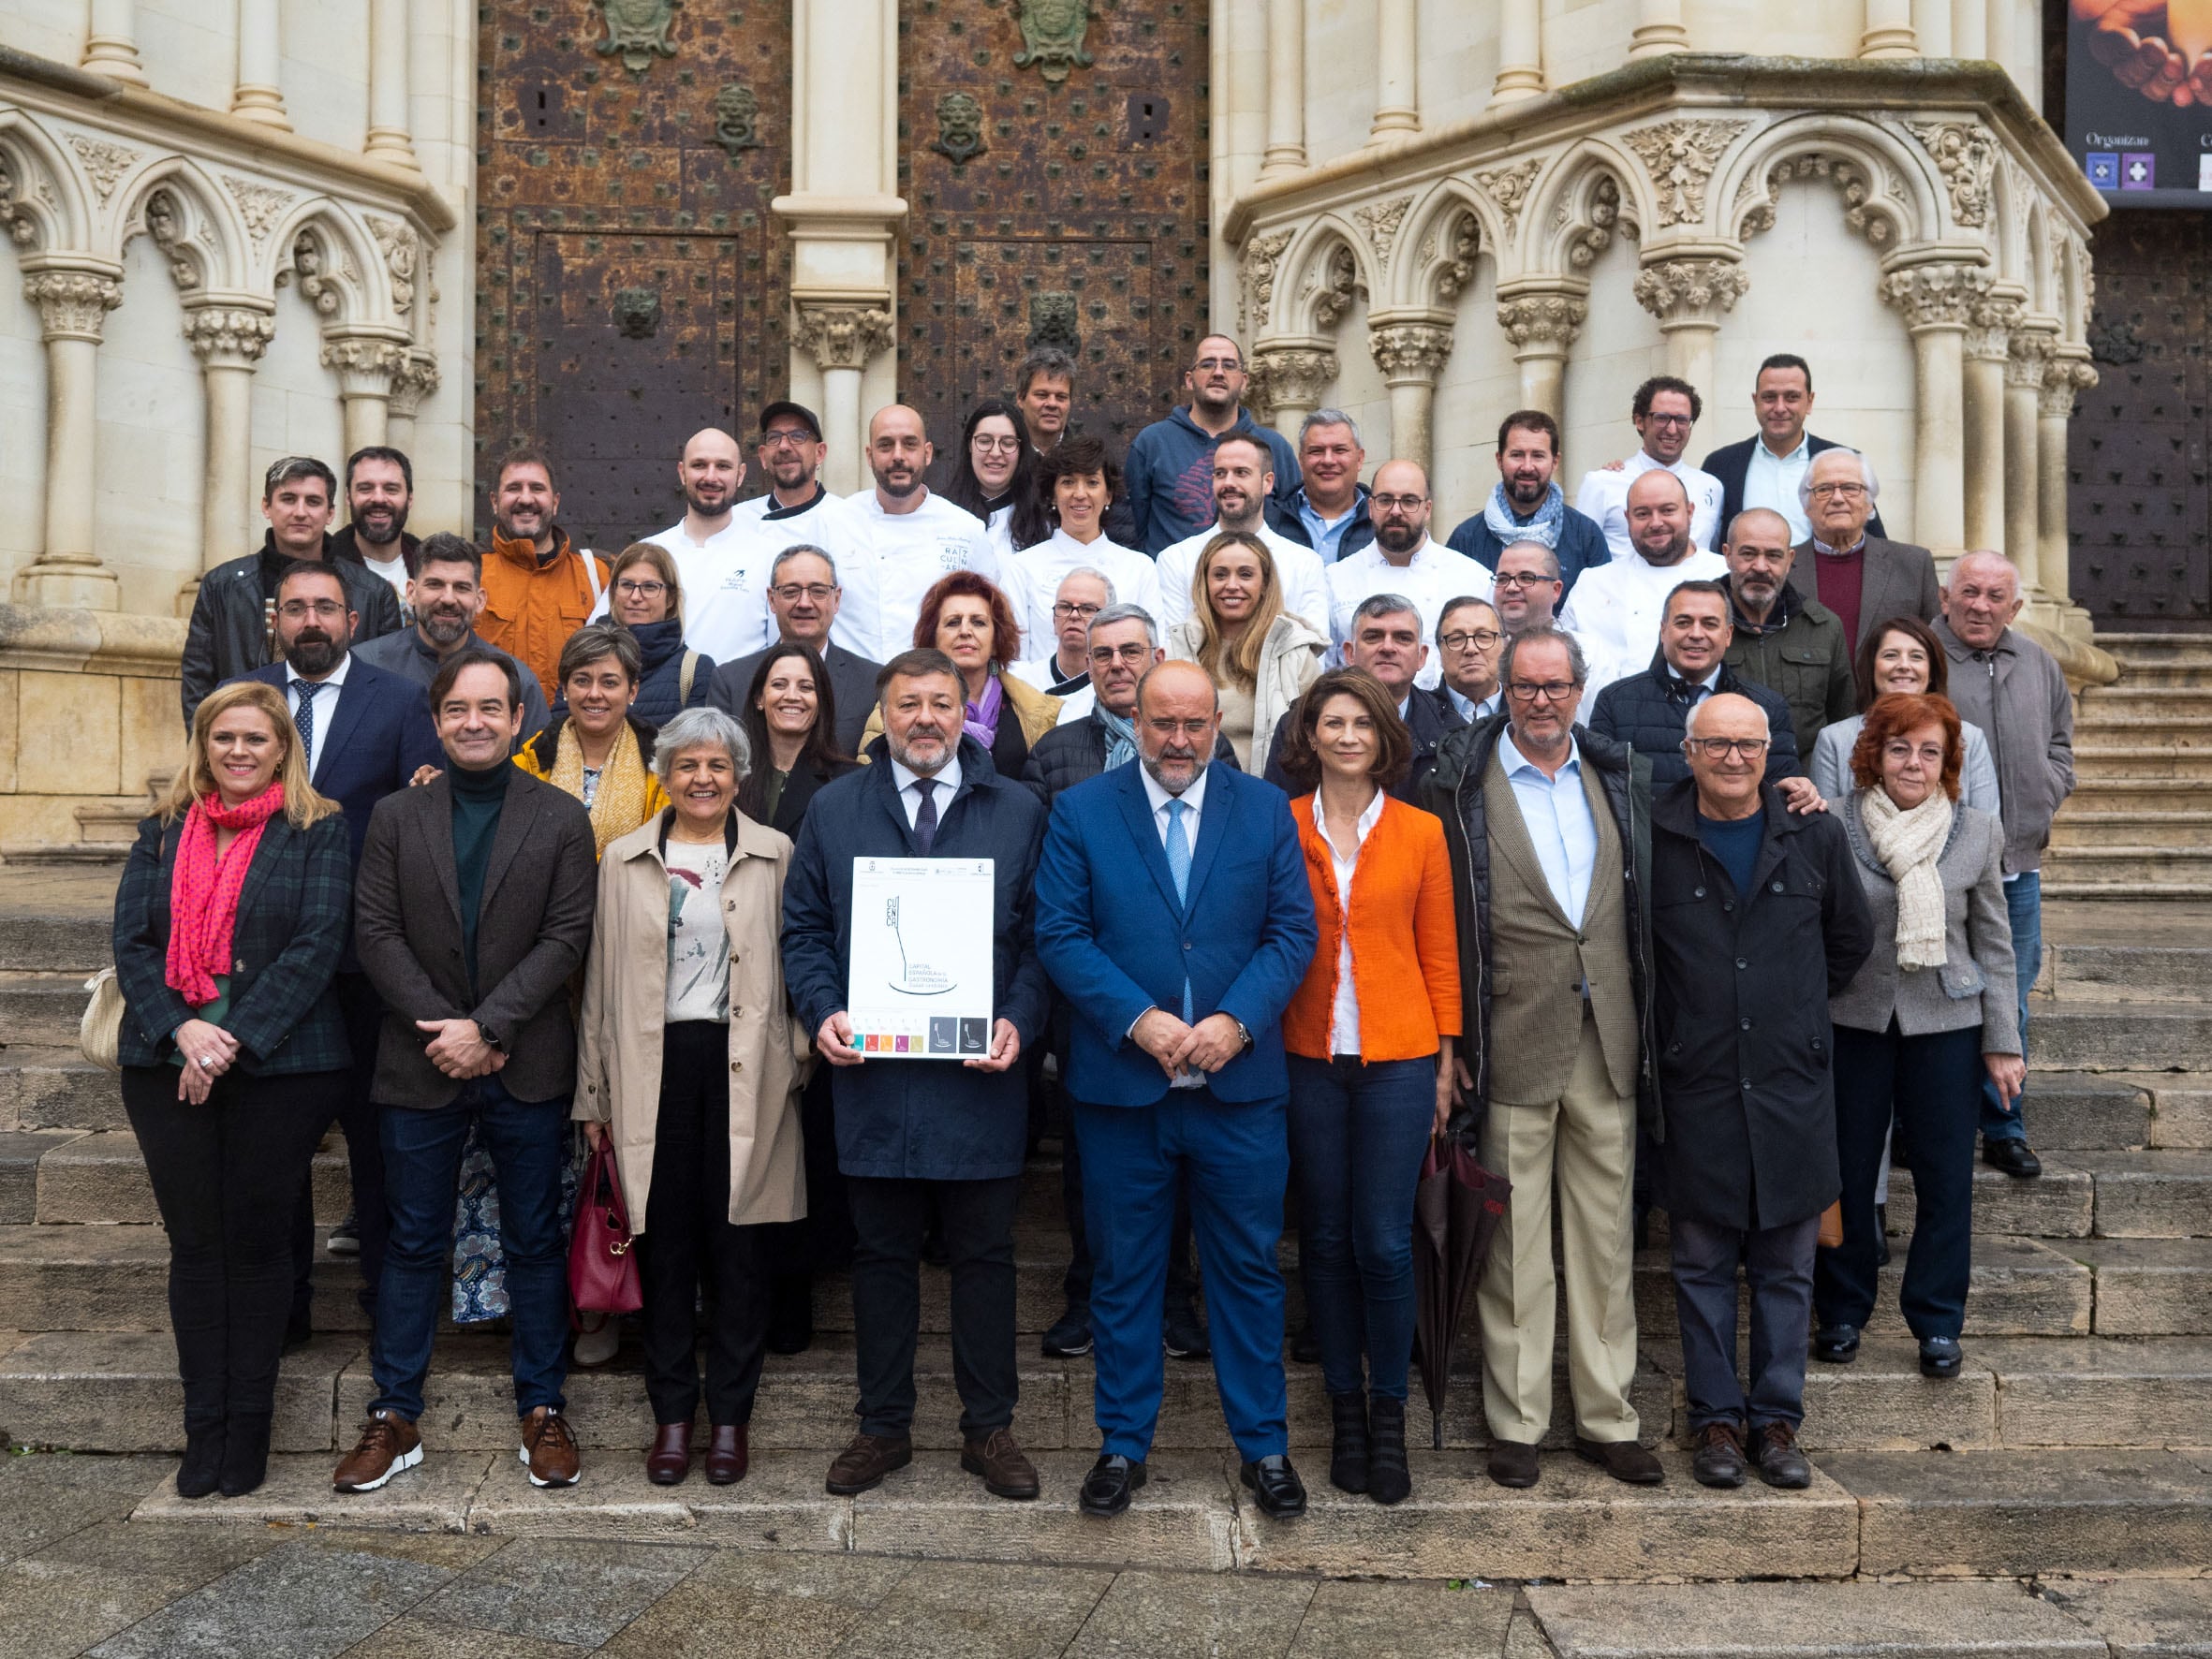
1052	36
637	313
960	129
638	31
737	114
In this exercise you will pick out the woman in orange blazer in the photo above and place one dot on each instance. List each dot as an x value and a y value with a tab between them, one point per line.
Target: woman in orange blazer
1370	1036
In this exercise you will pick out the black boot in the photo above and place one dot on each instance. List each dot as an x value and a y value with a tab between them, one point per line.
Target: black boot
1348	1451
245	1455
203	1459
1388	1479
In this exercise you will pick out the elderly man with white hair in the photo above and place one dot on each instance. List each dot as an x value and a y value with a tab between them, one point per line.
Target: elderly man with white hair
1863	578
1063	669
2014	689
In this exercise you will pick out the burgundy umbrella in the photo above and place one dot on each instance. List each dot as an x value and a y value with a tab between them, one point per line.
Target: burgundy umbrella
1457	1204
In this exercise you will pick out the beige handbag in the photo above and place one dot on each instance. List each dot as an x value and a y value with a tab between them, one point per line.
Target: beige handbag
99	1034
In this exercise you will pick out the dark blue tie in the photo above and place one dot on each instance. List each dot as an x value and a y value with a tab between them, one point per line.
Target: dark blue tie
304	717
925	816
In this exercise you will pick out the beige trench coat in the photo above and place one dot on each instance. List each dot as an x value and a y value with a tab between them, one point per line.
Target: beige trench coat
618	1050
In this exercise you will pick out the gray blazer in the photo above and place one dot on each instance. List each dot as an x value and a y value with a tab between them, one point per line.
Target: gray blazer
1974	986
1831	767
534	927
1897	579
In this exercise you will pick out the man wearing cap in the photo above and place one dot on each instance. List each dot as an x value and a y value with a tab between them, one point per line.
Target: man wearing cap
799	509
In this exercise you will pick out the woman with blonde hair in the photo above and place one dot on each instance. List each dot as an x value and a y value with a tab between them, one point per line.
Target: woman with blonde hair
1259	656
229	924
646	596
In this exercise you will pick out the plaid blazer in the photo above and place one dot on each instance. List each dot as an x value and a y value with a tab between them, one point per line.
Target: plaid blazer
291	925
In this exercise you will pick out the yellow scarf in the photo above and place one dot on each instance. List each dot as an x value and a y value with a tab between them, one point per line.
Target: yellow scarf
624	799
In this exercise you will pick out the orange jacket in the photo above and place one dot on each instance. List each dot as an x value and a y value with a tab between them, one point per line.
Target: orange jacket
1403	938
530	608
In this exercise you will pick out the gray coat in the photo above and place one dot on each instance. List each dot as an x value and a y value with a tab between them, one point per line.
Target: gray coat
2016	693
1974	986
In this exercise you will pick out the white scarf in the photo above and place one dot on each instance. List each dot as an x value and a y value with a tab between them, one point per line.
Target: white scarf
1909	843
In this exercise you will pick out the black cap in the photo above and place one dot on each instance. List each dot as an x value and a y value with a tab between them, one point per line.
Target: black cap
788	407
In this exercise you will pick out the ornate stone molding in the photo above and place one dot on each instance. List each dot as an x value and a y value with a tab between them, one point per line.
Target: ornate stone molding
1332	284
1603	215
416	378
1542	320
1380	220
403	258
1965	154
2064	379
259	205
365	364
72	304
1689	291
1860	212
1989	328
1411	351
228	336
841	336
1938	296
1508	186
1290	378
1256	267
1458	269
1680	157
2027	353
104	163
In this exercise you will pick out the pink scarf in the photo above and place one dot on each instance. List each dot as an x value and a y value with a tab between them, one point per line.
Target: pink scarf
203	889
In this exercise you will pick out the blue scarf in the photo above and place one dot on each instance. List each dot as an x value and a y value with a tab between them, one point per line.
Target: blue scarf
1121	736
1543	529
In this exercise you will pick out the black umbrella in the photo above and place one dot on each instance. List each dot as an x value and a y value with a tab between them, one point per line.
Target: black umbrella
1457	1204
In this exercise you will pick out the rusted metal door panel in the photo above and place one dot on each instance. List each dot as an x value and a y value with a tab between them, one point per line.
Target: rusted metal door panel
2139	506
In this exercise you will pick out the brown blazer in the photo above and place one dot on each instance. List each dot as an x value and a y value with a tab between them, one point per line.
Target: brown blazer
534	927
1899	580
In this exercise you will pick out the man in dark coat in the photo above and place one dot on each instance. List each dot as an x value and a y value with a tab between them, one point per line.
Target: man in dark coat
1758	920
1846	564
1792	645
1386	642
1763	471
803	598
915	1134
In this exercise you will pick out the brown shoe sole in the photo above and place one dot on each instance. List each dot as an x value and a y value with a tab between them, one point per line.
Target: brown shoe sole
849	1489
1020	1494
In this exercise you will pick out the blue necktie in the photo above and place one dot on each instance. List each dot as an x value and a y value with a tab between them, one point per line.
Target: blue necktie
304	717
1179	867
925	816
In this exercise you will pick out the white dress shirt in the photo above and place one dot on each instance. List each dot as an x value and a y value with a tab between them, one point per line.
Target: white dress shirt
724	581
1432	579
1032	580
1298	571
1770	481
1556	814
1194	801
1471	712
829	523
1616	609
329	689
1344	1012
904	556
947	782
1603	494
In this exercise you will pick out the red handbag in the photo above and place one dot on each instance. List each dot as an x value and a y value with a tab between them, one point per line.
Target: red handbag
602	1267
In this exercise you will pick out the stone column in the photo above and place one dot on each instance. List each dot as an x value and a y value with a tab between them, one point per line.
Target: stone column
1931	28
1520	51
1690	295
1289	380
388	136
1659	29
228	336
1286	88
415	380
1397	94
111	42
73	303
1937	302
2024	388
1889	30
1542	320
841	339
1970	28
1986	347
258	96
1411	354
366	365
2067	373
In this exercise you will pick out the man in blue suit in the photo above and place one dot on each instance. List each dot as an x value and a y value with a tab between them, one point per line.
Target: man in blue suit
364	732
1172	910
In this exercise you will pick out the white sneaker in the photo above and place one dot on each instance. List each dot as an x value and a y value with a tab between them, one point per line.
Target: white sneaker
595	1348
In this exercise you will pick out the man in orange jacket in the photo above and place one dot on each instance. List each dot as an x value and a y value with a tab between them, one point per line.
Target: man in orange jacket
538	588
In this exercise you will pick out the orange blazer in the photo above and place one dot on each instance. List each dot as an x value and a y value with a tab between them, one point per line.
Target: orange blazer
1403	937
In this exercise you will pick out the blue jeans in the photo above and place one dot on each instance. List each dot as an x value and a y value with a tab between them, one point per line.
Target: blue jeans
1358	1134
2024	909
528	1141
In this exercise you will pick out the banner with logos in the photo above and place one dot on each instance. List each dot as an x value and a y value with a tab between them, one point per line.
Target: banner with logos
2139	99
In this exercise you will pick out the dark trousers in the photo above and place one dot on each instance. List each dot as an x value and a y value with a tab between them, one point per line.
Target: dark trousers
1358	1134
689	1249
888	1218
1234	1158
1935	1084
528	1141
363	1012
1778	1264
795	1250
224	1173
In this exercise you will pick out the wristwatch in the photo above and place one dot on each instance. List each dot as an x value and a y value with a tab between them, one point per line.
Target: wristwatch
492	1038
1244	1036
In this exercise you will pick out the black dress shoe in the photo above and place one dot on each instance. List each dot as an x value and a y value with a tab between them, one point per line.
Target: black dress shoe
1781	1462
1306	1347
1070	1336
1718	1459
1836	1345
202	1467
1107	1488
2014	1157
1512	1462
245	1455
1941	1358
1280	1494
1623	1459
1182	1333
669	1459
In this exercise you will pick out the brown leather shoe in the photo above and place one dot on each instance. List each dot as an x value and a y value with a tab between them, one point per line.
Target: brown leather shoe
1781	1462
669	1459
387	1445
1512	1462
866	1461
1718	1459
548	1448
998	1459
1623	1459
726	1458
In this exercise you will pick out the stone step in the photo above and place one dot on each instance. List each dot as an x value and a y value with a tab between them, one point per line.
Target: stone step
117	1391
2129	794
2057	885
2060	1204
2148	1195
44	1009
102	1178
2093	1034
2016	1287
2133	756
2188	728
2145	694
2181	1107
2104	1391
2147	868
2182	829
2147	1287
2070	1109
42	1088
74	940
20	1153
2127	972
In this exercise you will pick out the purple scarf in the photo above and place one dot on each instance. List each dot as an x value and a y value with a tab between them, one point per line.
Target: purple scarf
982	721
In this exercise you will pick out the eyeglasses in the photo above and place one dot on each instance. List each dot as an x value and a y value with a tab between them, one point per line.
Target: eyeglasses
1208	366
1517	578
1528	691
1720	748
1398	504
1836	492
1066	611
1932	755
790	592
786	437
640	590
1481	638
1670	419
991	445
293	609
1131	652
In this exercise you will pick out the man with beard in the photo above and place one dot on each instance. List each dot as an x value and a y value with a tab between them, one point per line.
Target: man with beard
804	598
539	587
1792	645
910	536
1527	505
1663	412
1170	467
916	1135
1244	483
721	559
1615	609
379	489
798	510
446	595
1402	559
233	627
1385	637
363	731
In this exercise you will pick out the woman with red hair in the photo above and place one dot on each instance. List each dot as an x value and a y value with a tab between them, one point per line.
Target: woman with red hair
1928	1016
970	618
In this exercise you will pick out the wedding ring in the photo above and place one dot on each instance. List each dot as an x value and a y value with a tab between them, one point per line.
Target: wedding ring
202	1063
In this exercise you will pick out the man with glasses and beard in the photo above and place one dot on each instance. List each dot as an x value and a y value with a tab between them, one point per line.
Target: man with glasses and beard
1615	610
379	489
362	733
721	559
1402	559
1663	412
446	595
1527	506
1170	471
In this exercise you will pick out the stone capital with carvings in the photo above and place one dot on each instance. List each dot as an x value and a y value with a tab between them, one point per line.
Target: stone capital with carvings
1410	352
1990	325
366	364
1542	324
1685	293
1289	377
2064	379
228	336
72	304
2027	352
415	380
1940	296
841	336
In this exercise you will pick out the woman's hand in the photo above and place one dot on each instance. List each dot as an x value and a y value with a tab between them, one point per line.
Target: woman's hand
207	1049
193	1086
594	1133
2008	1073
425	774
1450	1077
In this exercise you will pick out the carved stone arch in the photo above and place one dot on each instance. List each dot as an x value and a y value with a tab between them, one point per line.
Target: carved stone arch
2077	289
1887	194
1448	228
2041	274
321	246
2012	200
1326	267
194	223
1587	197
44	205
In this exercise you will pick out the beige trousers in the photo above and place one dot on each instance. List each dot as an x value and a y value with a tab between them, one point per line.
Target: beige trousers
1585	1141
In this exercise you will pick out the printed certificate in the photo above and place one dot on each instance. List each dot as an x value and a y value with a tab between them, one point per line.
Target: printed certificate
922	961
